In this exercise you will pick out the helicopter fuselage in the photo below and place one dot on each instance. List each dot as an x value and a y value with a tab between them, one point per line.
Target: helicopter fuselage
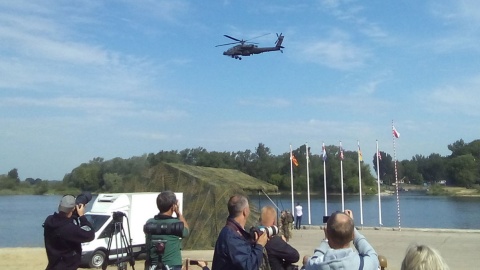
246	50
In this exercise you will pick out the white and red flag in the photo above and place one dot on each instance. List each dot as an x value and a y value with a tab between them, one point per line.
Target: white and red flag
396	134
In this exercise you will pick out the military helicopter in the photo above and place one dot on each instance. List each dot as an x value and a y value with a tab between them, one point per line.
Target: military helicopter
246	48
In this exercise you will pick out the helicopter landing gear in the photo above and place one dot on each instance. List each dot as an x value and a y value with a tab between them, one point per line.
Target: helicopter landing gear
237	57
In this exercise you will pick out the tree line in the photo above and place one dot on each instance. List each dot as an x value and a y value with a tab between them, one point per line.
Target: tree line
460	168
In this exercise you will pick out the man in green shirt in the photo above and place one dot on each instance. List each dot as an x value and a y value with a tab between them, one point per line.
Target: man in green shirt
165	232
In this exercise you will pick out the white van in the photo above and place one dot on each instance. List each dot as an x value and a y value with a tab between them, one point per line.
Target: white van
119	214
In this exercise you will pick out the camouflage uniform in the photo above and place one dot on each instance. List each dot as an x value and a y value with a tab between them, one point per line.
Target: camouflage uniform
286	221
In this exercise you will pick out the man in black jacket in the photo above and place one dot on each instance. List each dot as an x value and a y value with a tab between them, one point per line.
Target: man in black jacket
64	238
281	256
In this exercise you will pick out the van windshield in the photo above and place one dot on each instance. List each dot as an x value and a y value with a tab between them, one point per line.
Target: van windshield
97	221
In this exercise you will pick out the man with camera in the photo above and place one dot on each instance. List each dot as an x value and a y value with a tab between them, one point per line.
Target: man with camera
334	252
281	256
164	234
236	248
64	237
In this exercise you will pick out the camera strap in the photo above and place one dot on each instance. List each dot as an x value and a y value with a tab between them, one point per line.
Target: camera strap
361	262
236	228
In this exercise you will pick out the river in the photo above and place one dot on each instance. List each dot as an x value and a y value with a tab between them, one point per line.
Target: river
22	215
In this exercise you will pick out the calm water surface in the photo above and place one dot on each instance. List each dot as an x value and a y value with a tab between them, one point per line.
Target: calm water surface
22	215
416	210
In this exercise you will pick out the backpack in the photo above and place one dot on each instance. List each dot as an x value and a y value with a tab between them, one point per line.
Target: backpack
289	217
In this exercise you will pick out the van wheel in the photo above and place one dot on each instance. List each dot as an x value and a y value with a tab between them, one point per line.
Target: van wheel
97	259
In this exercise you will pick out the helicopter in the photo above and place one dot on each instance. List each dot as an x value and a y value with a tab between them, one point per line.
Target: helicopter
246	48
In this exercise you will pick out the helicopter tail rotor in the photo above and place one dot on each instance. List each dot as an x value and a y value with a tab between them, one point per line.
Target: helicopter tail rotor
278	42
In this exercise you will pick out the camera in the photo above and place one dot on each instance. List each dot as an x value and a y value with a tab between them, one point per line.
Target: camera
164	228
325	219
269	230
193	262
83	198
118	216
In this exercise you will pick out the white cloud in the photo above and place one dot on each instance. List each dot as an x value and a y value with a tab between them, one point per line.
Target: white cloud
334	53
461	22
455	98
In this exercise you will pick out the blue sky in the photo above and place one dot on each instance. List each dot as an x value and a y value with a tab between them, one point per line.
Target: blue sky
86	79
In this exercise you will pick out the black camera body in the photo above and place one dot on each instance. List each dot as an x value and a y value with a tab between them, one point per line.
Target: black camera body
325	219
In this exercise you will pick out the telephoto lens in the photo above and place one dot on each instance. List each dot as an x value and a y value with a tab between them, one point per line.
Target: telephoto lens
270	230
83	198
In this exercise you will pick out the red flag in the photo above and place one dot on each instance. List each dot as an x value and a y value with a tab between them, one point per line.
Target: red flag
395	132
379	155
295	161
341	153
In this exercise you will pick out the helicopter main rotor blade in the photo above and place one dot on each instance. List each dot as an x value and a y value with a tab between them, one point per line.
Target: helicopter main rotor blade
258	36
226	44
233	38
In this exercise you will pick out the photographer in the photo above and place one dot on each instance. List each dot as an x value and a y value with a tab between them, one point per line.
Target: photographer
235	248
167	228
335	253
280	254
63	237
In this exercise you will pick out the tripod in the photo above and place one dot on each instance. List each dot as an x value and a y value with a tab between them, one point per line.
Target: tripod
124	250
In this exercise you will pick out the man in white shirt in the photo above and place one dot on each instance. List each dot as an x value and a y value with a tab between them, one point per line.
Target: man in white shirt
298	216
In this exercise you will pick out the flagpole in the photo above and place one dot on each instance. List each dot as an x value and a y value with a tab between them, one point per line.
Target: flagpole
394	134
308	186
291	176
360	183
325	177
341	176
378	183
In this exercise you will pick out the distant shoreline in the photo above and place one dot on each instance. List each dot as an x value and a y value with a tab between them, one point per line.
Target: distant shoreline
450	192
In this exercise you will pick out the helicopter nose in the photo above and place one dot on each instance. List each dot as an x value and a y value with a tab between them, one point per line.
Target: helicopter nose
225	53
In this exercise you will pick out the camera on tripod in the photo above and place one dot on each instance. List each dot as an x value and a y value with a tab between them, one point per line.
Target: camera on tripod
118	216
123	244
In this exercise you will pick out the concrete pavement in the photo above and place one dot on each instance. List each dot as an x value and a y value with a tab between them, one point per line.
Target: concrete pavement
460	248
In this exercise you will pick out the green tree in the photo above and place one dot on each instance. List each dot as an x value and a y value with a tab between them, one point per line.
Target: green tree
86	176
41	188
113	182
462	170
410	171
386	167
458	148
13	173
